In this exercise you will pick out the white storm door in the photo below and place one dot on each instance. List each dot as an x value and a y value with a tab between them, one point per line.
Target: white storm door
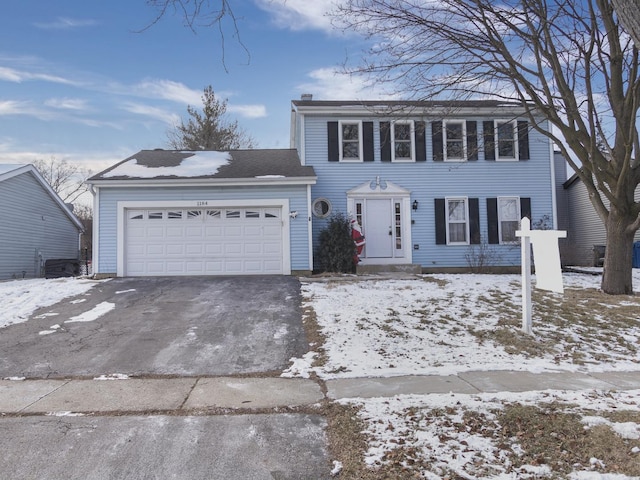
378	228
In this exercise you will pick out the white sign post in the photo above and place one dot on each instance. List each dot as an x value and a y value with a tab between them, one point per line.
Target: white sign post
548	272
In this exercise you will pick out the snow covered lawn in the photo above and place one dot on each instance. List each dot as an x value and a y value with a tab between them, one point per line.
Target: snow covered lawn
20	298
446	324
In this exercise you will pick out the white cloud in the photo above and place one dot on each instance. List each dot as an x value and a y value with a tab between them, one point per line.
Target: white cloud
248	111
12	107
168	90
152	112
65	23
67	103
329	84
19	76
300	14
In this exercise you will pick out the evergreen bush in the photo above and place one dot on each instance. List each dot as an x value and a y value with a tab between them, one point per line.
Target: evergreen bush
336	250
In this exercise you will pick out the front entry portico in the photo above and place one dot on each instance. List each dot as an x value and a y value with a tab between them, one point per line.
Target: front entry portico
383	211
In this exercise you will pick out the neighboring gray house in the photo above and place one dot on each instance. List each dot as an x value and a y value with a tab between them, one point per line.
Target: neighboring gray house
35	224
168	212
586	235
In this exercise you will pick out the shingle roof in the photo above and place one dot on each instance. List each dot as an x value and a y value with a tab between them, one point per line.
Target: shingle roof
236	164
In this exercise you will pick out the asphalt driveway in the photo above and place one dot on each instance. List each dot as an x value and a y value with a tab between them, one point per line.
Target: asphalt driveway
161	326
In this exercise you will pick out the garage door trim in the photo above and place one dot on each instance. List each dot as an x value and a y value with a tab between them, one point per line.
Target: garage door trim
123	206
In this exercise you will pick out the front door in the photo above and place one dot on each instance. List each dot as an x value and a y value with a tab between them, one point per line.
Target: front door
378	228
383	211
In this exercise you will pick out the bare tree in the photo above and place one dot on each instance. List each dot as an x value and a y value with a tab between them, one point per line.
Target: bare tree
66	179
203	13
629	15
564	59
209	129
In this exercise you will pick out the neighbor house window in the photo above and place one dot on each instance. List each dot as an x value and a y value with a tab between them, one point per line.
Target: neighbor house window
457	221
506	140
403	146
455	140
508	218
350	141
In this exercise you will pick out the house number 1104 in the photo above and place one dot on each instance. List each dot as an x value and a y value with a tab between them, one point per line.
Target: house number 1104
202	204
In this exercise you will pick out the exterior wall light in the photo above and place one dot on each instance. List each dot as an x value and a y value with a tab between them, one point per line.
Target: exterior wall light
414	205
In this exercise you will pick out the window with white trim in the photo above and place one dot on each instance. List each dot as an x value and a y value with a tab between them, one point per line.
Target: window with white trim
506	133
455	140
321	207
508	218
350	141
457	219
403	147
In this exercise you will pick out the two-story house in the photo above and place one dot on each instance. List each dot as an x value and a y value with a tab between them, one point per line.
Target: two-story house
434	185
438	185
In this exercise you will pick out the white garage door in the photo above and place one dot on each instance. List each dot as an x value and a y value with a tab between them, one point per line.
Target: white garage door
209	241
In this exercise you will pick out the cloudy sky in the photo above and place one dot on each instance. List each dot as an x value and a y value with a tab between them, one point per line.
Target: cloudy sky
87	82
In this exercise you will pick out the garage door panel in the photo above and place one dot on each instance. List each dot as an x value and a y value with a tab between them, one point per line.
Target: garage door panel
252	248
213	249
175	232
204	242
175	249
194	249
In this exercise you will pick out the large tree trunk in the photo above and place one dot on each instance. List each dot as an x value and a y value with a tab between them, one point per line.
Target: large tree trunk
617	275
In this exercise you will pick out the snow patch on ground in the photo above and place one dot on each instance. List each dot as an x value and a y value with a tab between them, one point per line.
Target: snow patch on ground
20	298
93	314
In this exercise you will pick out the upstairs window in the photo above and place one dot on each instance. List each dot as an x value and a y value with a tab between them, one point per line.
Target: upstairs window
455	133
403	146
506	140
350	141
454	140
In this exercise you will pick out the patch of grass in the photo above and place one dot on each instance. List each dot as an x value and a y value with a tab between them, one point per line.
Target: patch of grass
551	436
438	281
315	338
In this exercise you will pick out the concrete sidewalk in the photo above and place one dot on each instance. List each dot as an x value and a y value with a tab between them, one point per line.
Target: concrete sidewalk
184	395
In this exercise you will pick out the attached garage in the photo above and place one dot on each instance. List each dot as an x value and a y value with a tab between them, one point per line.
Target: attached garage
156	214
204	241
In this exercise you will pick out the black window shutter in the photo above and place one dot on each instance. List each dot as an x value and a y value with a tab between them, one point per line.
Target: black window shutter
474	221
436	139
441	226
523	140
333	143
472	140
367	141
525	207
385	141
492	221
421	144
489	142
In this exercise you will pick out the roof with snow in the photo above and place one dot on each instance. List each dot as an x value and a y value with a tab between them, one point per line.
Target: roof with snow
258	164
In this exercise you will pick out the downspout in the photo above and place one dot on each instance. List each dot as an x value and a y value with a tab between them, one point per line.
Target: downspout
95	232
